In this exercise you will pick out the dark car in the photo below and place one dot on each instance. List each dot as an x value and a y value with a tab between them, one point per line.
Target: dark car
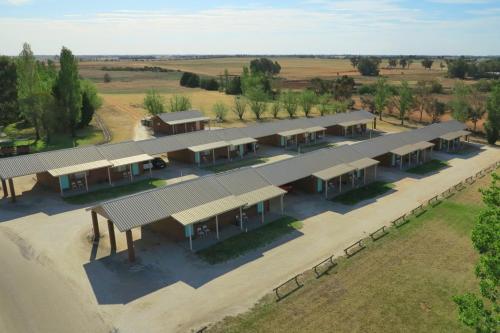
158	163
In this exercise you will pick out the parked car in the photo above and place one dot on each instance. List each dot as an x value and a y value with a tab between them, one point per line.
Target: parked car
158	163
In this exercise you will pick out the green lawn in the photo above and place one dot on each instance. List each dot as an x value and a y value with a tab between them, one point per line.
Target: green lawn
237	245
432	165
23	135
115	192
315	146
403	282
369	191
235	165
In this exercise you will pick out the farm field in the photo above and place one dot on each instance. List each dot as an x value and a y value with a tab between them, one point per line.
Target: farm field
403	282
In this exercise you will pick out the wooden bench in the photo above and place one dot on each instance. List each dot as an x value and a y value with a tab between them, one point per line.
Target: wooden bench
354	248
328	262
298	285
379	233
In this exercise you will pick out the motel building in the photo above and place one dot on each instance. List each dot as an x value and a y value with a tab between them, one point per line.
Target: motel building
171	123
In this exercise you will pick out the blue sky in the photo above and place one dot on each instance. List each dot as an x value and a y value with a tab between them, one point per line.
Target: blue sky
232	27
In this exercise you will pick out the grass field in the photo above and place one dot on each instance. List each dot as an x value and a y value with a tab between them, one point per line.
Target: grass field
237	245
402	283
369	191
432	165
115	192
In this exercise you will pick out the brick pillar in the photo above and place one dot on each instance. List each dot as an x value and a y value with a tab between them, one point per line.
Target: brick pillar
130	246
4	187
12	191
95	226
112	238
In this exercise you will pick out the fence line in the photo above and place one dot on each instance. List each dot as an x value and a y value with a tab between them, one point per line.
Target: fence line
382	231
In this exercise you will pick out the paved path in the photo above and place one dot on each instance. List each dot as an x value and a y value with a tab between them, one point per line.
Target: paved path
170	290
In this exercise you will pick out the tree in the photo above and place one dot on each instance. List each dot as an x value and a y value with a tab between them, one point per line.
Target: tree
320	86
476	107
482	311
343	88
8	91
403	62
107	78
209	84
91	102
368	66
405	100
29	89
442	65
492	125
239	107
409	62
257	101
354	61
324	104
179	103
257	80
154	103
220	111
289	101
276	108
190	80
234	86
67	90
457	68
382	95
393	62
427	63
307	99
459	103
339	106
368	103
50	117
265	66
423	96
435	109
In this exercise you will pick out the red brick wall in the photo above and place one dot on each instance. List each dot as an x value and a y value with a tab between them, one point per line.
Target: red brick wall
307	184
160	127
273	140
184	155
169	228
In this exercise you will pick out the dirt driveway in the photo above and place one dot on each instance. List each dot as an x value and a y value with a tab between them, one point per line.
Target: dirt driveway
53	279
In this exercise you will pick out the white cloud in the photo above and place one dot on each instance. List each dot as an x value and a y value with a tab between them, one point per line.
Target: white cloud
16	2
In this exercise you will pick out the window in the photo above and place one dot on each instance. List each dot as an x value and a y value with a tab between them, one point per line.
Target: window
120	168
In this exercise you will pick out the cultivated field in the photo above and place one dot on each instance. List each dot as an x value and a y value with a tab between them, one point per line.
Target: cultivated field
403	283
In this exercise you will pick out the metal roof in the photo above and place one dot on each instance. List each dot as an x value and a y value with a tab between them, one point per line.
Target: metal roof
335	171
292	132
313	129
407	149
208	210
209	146
181	117
454	135
79	168
242	141
364	163
131	160
254	197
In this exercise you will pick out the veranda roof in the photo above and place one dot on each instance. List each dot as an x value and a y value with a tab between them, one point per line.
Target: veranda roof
314	129
208	210
209	146
364	163
407	149
131	160
335	171
185	121
454	135
242	141
261	194
79	168
355	122
292	132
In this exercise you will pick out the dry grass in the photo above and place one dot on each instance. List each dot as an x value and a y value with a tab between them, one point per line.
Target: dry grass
402	283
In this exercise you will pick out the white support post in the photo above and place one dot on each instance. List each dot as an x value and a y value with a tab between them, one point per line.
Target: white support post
340	184
109	177
150	170
86	183
60	186
409	160
352	176
190	241
401	162
130	171
217	225
254	148
229	153
364	175
375	176
263	209
213	156
241	218
326	189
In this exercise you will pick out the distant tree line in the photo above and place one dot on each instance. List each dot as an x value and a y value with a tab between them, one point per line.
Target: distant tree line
462	68
50	100
155	69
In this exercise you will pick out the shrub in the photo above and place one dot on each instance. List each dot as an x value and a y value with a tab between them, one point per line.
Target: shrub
239	107
190	80
107	78
209	84
220	111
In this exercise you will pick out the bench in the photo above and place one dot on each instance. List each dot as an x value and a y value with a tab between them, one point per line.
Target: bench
298	285
328	262
354	248
379	233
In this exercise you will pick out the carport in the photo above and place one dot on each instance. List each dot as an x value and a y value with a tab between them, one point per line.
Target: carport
238	145
418	152
354	126
314	133
452	140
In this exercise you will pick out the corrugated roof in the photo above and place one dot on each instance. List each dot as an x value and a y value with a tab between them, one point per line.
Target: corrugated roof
407	149
208	210
334	171
131	160
364	163
79	168
454	135
292	132
209	146
242	141
265	193
181	116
